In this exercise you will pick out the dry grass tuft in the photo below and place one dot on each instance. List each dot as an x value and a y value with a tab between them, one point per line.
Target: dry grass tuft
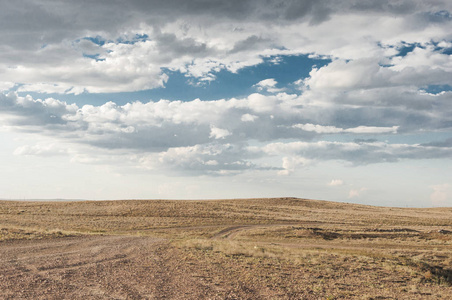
285	248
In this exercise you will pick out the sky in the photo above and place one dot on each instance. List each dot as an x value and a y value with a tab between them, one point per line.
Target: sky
341	100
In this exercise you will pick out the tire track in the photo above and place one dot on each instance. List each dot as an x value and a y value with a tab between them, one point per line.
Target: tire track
76	268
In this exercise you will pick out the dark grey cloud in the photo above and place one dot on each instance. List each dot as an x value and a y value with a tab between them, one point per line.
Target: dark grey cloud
196	37
169	44
446	143
50	20
317	11
251	42
162	125
214	137
106	46
34	114
438	16
31	22
362	153
150	127
385	6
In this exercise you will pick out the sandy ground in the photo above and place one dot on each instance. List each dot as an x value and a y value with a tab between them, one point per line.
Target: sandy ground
95	267
283	248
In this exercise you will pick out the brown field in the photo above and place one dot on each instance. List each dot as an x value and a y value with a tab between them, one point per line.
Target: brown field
285	248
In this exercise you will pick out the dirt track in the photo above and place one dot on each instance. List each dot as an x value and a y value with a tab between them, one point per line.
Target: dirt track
95	267
243	249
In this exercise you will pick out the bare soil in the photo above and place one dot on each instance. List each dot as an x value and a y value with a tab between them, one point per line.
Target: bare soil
283	248
97	267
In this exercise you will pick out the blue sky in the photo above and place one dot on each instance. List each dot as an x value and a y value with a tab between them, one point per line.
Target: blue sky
285	70
227	99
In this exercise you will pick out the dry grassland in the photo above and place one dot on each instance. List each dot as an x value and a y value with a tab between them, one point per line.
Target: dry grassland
284	248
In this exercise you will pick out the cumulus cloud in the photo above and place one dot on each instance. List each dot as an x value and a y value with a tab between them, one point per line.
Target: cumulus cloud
218	133
268	85
212	136
6	85
354	193
96	48
342	74
213	159
359	129
289	164
336	182
356	153
441	195
420	68
248	118
51	149
376	83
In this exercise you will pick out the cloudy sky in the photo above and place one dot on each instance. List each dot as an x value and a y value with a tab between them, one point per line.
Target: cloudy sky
344	100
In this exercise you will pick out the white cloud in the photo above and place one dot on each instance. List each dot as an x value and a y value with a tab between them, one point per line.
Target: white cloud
218	133
41	150
441	195
59	88
354	193
340	74
357	153
357	130
423	67
6	85
366	89
268	85
211	163
289	164
318	128
336	182
103	50
365	93
423	59
248	118
372	129
153	131
261	103
213	159
174	136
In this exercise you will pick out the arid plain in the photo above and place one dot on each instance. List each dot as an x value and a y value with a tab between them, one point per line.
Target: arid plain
281	248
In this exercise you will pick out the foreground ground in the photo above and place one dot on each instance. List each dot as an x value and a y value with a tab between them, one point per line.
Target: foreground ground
230	249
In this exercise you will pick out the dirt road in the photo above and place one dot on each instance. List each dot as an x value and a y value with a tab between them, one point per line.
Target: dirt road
95	267
243	249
